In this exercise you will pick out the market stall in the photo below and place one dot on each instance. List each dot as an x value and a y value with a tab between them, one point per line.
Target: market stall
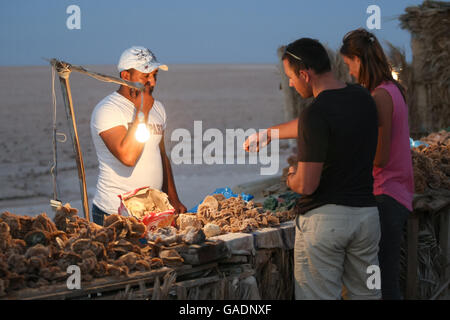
186	259
425	255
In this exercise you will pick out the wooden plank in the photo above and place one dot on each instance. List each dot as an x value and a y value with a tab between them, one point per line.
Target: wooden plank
198	282
98	285
60	291
198	254
411	273
180	288
196	269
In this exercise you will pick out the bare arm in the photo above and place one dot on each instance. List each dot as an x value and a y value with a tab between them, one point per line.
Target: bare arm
385	108
122	143
286	130
168	180
305	178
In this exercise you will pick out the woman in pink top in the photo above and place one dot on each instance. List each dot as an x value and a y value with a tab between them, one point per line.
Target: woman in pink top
392	172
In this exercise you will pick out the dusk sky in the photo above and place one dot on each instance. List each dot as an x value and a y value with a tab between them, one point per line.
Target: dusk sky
191	32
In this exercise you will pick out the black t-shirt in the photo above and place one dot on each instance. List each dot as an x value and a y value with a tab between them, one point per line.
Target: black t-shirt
340	129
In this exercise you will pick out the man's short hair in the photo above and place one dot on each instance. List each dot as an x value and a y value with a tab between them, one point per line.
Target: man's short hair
307	53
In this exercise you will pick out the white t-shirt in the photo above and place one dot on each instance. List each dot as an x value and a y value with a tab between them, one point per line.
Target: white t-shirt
114	177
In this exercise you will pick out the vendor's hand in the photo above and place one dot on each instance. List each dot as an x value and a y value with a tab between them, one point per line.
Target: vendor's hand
178	206
148	100
257	141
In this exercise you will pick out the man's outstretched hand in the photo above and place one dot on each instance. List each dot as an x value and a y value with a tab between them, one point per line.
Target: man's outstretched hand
257	141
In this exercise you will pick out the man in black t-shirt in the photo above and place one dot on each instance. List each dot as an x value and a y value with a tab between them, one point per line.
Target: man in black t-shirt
337	226
339	130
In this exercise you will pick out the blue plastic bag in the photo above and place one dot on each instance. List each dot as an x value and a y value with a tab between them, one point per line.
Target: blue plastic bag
416	143
227	193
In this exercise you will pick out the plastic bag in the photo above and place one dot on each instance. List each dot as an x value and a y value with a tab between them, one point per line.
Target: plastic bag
227	193
416	143
150	206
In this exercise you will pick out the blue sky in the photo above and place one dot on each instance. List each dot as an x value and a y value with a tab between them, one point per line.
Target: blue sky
195	31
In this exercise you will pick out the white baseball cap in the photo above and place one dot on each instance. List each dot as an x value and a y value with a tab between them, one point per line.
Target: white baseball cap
141	59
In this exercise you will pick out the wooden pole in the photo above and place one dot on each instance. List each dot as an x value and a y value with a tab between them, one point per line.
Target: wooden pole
105	78
444	241
412	239
64	74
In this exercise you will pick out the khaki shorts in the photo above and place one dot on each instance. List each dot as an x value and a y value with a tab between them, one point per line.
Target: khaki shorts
334	246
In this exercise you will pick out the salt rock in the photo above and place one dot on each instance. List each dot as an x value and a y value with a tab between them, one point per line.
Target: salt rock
166	235
136	207
209	203
211	230
188	220
237	243
193	236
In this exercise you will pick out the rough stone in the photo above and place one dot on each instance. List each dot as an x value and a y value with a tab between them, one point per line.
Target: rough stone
288	234
238	243
268	238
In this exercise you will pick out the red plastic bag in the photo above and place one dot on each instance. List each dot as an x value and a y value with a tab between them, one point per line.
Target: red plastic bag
145	197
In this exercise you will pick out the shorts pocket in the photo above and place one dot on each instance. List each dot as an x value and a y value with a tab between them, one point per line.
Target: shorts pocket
331	230
304	224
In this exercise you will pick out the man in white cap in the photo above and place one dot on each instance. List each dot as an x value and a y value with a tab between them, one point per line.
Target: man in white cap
125	163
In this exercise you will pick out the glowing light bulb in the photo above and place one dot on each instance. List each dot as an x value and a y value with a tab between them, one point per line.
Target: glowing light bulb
395	75
142	133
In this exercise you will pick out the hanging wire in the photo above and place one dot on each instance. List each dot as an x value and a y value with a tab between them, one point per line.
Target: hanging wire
53	169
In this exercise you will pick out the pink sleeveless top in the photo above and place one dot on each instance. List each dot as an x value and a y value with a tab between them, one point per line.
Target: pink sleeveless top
396	179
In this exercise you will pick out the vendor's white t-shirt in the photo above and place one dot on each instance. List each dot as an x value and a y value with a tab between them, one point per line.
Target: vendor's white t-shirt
114	177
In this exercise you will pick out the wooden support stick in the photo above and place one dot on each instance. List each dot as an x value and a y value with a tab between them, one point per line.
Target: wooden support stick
67	95
412	239
96	75
444	240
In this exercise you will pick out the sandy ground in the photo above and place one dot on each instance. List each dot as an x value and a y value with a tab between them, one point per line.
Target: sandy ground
222	96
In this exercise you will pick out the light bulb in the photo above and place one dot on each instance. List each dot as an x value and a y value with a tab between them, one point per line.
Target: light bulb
142	133
395	75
